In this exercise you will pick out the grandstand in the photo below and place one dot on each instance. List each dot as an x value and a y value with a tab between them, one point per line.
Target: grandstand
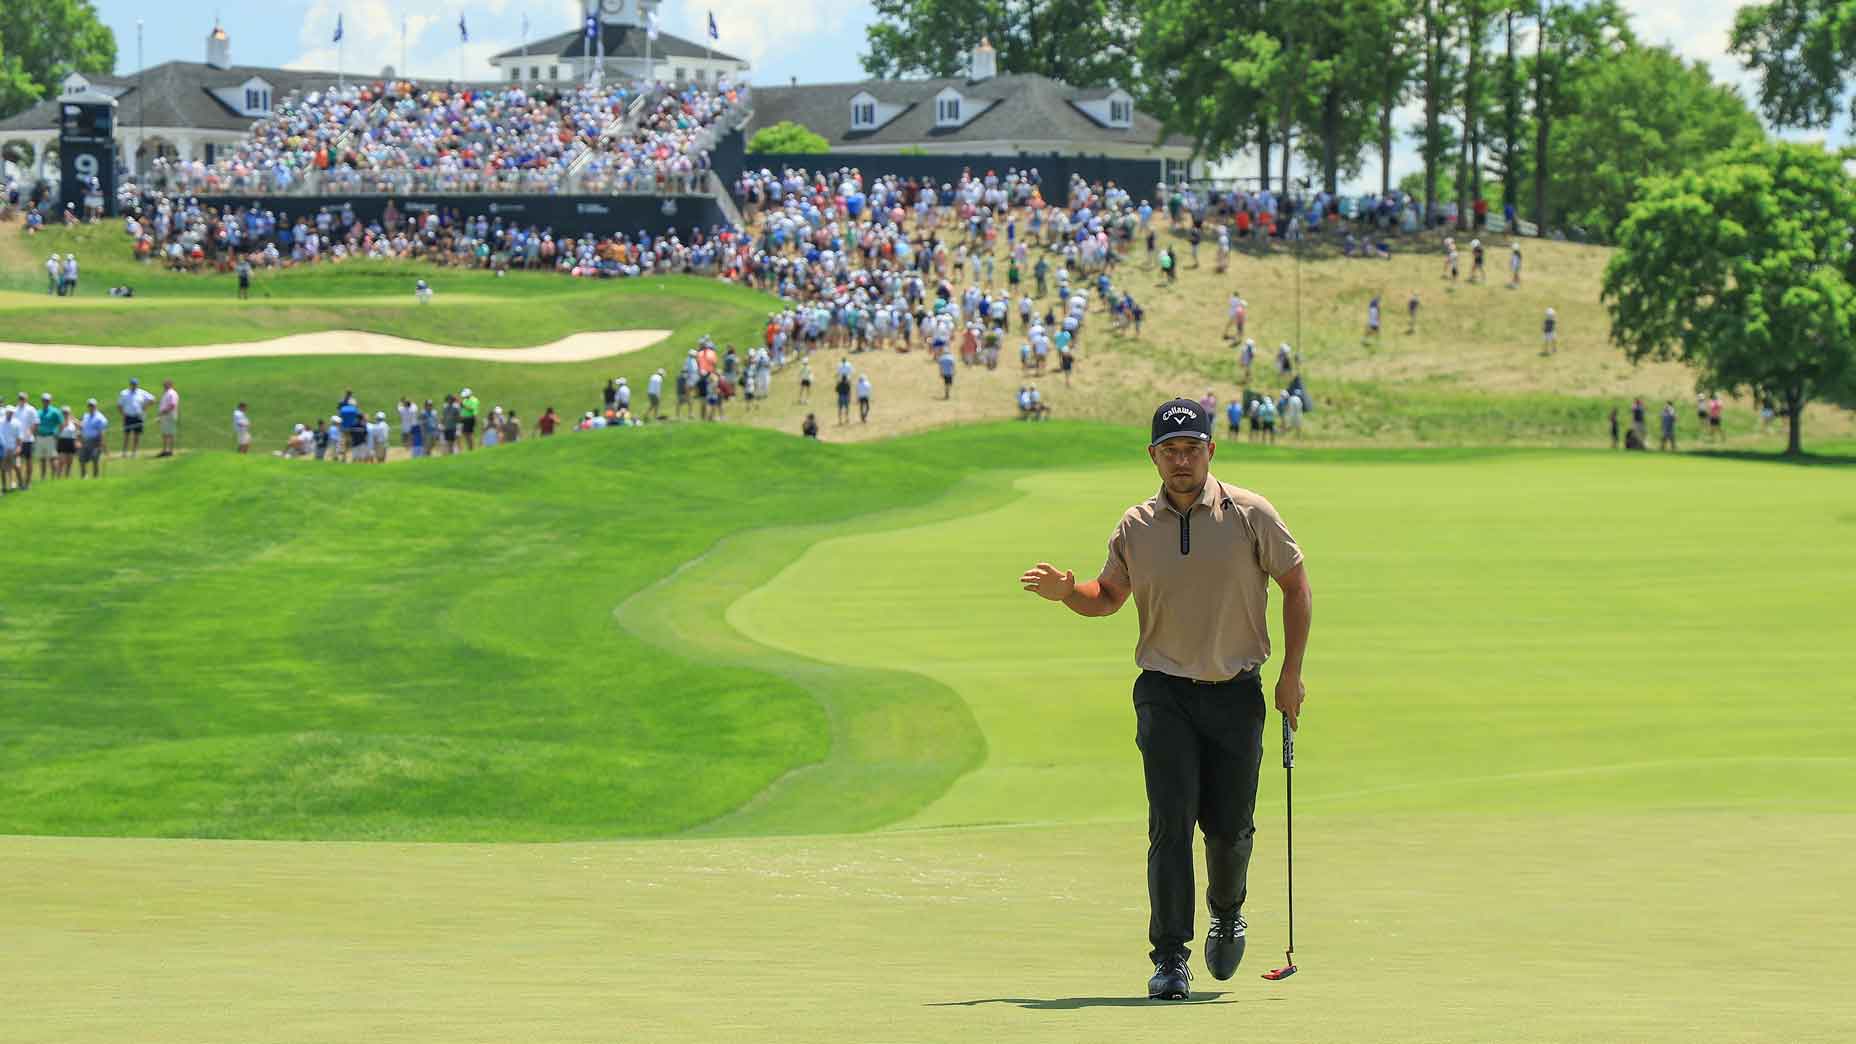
400	137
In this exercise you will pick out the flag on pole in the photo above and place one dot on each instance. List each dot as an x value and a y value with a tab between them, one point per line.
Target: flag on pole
338	30
592	27
463	32
713	34
650	26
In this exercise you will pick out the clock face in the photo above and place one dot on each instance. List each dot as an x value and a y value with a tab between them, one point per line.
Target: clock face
613	7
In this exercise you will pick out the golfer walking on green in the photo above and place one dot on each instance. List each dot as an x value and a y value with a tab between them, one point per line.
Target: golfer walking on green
1197	559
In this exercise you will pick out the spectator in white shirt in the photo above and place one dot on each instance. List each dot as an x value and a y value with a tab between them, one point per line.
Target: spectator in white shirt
133	402
9	449
241	429
169	415
377	438
26	420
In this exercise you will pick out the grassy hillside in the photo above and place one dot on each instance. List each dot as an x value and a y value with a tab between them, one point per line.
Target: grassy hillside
1469	373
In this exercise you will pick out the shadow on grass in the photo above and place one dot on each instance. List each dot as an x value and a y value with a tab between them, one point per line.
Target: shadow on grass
1809	460
1073	1003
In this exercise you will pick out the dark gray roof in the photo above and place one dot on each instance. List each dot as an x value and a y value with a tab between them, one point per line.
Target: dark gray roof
622	41
1027	107
179	94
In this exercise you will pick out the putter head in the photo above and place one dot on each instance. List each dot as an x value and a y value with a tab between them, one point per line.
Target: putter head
1281	973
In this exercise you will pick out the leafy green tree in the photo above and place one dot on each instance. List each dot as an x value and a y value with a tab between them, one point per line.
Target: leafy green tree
1186	49
1641	113
1745	270
50	39
1804	52
1569	37
17	91
787	137
1088	43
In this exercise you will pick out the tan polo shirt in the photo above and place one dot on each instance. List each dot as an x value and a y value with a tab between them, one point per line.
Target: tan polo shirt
1200	581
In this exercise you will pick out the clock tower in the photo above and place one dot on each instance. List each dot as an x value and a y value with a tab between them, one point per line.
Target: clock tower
621	12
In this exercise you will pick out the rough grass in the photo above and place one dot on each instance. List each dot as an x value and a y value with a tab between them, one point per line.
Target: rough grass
1471	373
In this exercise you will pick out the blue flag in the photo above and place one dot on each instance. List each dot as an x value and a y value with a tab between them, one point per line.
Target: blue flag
713	33
592	27
338	30
463	33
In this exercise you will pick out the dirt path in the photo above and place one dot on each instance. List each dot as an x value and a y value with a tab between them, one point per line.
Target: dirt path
580	347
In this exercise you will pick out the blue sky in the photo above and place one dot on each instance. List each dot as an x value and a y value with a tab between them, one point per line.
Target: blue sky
821	46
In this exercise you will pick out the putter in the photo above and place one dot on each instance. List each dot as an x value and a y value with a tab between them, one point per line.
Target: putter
1288	799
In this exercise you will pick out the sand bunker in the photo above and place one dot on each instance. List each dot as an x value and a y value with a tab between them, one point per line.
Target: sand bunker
580	347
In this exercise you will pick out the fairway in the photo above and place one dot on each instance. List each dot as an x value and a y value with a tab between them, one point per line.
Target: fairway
1569	771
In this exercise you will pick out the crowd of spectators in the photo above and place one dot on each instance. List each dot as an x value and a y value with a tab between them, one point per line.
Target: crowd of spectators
400	136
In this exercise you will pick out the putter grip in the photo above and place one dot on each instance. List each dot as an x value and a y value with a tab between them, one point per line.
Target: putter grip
1288	744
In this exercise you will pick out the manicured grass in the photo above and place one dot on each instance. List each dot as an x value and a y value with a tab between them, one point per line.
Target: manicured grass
1570	770
1522	632
1452	927
254	648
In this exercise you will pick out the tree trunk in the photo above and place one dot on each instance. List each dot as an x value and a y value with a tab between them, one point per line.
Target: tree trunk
1385	136
1330	141
1794	416
1543	118
1431	47
1511	118
1465	182
1263	153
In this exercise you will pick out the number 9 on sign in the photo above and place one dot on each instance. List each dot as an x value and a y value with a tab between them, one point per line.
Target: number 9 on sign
86	165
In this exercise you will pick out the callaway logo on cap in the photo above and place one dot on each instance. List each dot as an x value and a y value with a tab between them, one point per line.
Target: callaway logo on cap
1180	417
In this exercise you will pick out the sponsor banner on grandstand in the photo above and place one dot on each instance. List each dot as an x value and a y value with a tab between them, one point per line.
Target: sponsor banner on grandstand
565	215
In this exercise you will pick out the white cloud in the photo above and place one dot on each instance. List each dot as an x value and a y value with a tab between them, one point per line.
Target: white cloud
371	35
764	30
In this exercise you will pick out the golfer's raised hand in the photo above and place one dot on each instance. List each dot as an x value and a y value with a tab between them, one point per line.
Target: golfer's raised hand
1047	581
1289	696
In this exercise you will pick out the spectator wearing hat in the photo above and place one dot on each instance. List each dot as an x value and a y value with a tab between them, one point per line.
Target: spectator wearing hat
51	420
92	429
468	407
377	434
133	402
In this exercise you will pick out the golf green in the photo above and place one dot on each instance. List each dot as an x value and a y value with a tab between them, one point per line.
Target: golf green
1575	764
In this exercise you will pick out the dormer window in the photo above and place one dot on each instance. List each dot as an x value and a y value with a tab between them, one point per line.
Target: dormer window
1120	112
257	99
947	111
863	115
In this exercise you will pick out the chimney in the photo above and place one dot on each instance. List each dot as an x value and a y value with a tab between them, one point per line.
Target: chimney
984	62
218	48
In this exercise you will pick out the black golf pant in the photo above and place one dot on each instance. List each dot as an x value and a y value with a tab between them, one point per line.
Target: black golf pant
1201	746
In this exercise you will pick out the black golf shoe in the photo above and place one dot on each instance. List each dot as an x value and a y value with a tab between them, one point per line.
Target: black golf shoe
1171	981
1224	946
